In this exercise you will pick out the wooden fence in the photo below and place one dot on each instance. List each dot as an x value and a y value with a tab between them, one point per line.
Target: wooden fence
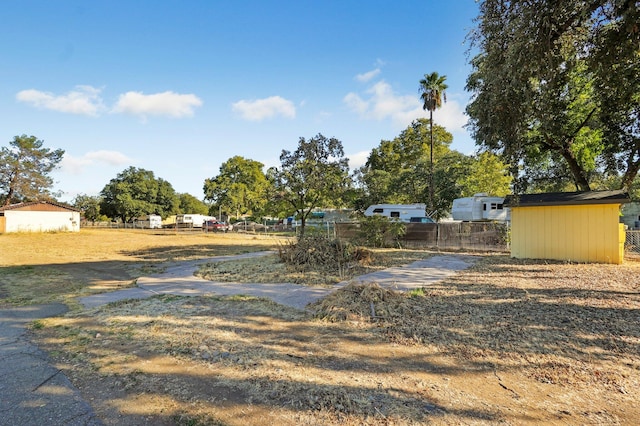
485	236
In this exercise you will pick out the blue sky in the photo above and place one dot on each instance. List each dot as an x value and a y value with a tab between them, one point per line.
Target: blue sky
179	87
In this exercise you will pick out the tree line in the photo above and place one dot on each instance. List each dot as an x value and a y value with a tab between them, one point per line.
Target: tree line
555	107
315	175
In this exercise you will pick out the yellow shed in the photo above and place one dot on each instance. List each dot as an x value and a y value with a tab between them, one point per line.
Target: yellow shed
571	226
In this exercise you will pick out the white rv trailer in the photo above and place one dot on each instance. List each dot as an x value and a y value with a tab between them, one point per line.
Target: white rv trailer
480	207
192	220
402	212
152	221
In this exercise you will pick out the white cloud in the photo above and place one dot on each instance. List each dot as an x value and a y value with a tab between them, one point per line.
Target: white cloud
387	104
380	102
76	165
356	103
368	76
167	103
358	159
84	100
260	109
451	115
112	158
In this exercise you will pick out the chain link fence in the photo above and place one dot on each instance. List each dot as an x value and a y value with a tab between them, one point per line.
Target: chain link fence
632	244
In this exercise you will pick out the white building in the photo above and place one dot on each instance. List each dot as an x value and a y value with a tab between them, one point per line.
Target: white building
39	216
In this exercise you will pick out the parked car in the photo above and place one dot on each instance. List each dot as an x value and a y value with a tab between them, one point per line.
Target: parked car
250	226
421	220
214	225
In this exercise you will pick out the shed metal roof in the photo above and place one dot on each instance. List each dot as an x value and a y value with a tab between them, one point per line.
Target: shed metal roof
567	198
18	206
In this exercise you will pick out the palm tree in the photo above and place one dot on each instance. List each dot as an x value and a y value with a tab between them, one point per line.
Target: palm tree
432	93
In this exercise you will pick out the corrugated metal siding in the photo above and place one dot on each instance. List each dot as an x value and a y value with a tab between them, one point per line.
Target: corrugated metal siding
585	233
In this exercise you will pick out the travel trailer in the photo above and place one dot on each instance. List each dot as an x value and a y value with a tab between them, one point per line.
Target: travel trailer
402	212
480	207
152	221
192	220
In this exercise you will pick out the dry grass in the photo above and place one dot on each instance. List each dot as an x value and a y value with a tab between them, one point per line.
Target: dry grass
235	361
506	342
46	267
93	245
270	269
564	323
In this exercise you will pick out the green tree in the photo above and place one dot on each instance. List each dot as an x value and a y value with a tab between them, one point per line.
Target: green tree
432	93
399	171
616	61
450	168
555	88
89	206
24	170
137	192
240	188
315	174
187	203
484	172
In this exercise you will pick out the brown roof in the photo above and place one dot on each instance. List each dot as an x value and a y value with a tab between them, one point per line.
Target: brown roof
18	206
567	198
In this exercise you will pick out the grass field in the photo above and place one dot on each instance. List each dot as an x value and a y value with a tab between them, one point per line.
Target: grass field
40	268
505	342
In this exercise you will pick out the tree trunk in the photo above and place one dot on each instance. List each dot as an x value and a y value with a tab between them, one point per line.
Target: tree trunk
578	173
431	191
302	225
632	171
579	176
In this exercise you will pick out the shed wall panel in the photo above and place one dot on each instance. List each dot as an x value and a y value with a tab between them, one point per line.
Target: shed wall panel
41	221
584	233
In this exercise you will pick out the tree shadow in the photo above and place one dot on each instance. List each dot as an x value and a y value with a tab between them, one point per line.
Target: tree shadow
260	355
200	252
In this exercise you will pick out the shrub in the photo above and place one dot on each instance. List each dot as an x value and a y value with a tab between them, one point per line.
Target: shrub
380	231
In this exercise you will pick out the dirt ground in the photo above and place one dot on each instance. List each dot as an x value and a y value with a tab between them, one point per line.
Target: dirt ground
505	342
